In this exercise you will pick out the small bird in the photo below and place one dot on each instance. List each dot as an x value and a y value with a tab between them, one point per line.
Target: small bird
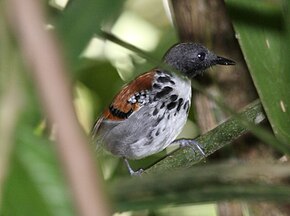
148	113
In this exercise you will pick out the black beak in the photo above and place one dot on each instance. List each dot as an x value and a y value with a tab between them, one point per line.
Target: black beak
223	61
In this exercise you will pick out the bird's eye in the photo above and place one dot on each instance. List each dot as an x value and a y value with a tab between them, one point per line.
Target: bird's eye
201	56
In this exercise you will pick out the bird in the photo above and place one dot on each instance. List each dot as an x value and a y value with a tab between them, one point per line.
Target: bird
148	113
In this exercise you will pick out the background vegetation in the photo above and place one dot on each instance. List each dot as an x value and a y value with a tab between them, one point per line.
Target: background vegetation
107	43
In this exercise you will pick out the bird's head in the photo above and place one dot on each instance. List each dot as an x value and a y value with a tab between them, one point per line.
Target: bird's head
192	59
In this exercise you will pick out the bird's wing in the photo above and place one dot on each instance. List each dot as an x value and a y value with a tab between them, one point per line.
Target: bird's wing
121	108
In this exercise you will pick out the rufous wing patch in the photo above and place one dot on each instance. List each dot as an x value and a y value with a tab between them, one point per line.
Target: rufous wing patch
120	108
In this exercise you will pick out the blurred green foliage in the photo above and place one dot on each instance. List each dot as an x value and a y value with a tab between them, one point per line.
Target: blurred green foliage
35	183
81	20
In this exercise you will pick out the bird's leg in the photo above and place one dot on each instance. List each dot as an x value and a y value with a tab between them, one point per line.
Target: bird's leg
194	145
131	171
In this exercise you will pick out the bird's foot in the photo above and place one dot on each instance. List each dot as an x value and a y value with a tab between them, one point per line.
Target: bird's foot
136	173
194	145
131	171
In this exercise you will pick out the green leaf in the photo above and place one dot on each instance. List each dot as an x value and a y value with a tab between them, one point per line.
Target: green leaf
35	185
262	30
81	19
101	73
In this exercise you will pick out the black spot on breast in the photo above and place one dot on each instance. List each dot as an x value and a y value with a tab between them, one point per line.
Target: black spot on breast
157	86
157	121
171	105
180	102
173	97
166	90
149	137
172	82
163	79
157	132
168	117
159	72
185	105
155	112
162	105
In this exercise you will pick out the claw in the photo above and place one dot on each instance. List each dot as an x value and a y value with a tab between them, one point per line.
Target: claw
194	145
131	171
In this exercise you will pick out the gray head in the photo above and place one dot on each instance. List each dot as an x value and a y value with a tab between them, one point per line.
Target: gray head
191	59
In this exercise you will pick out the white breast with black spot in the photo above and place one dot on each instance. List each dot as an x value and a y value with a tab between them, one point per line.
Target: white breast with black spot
167	112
